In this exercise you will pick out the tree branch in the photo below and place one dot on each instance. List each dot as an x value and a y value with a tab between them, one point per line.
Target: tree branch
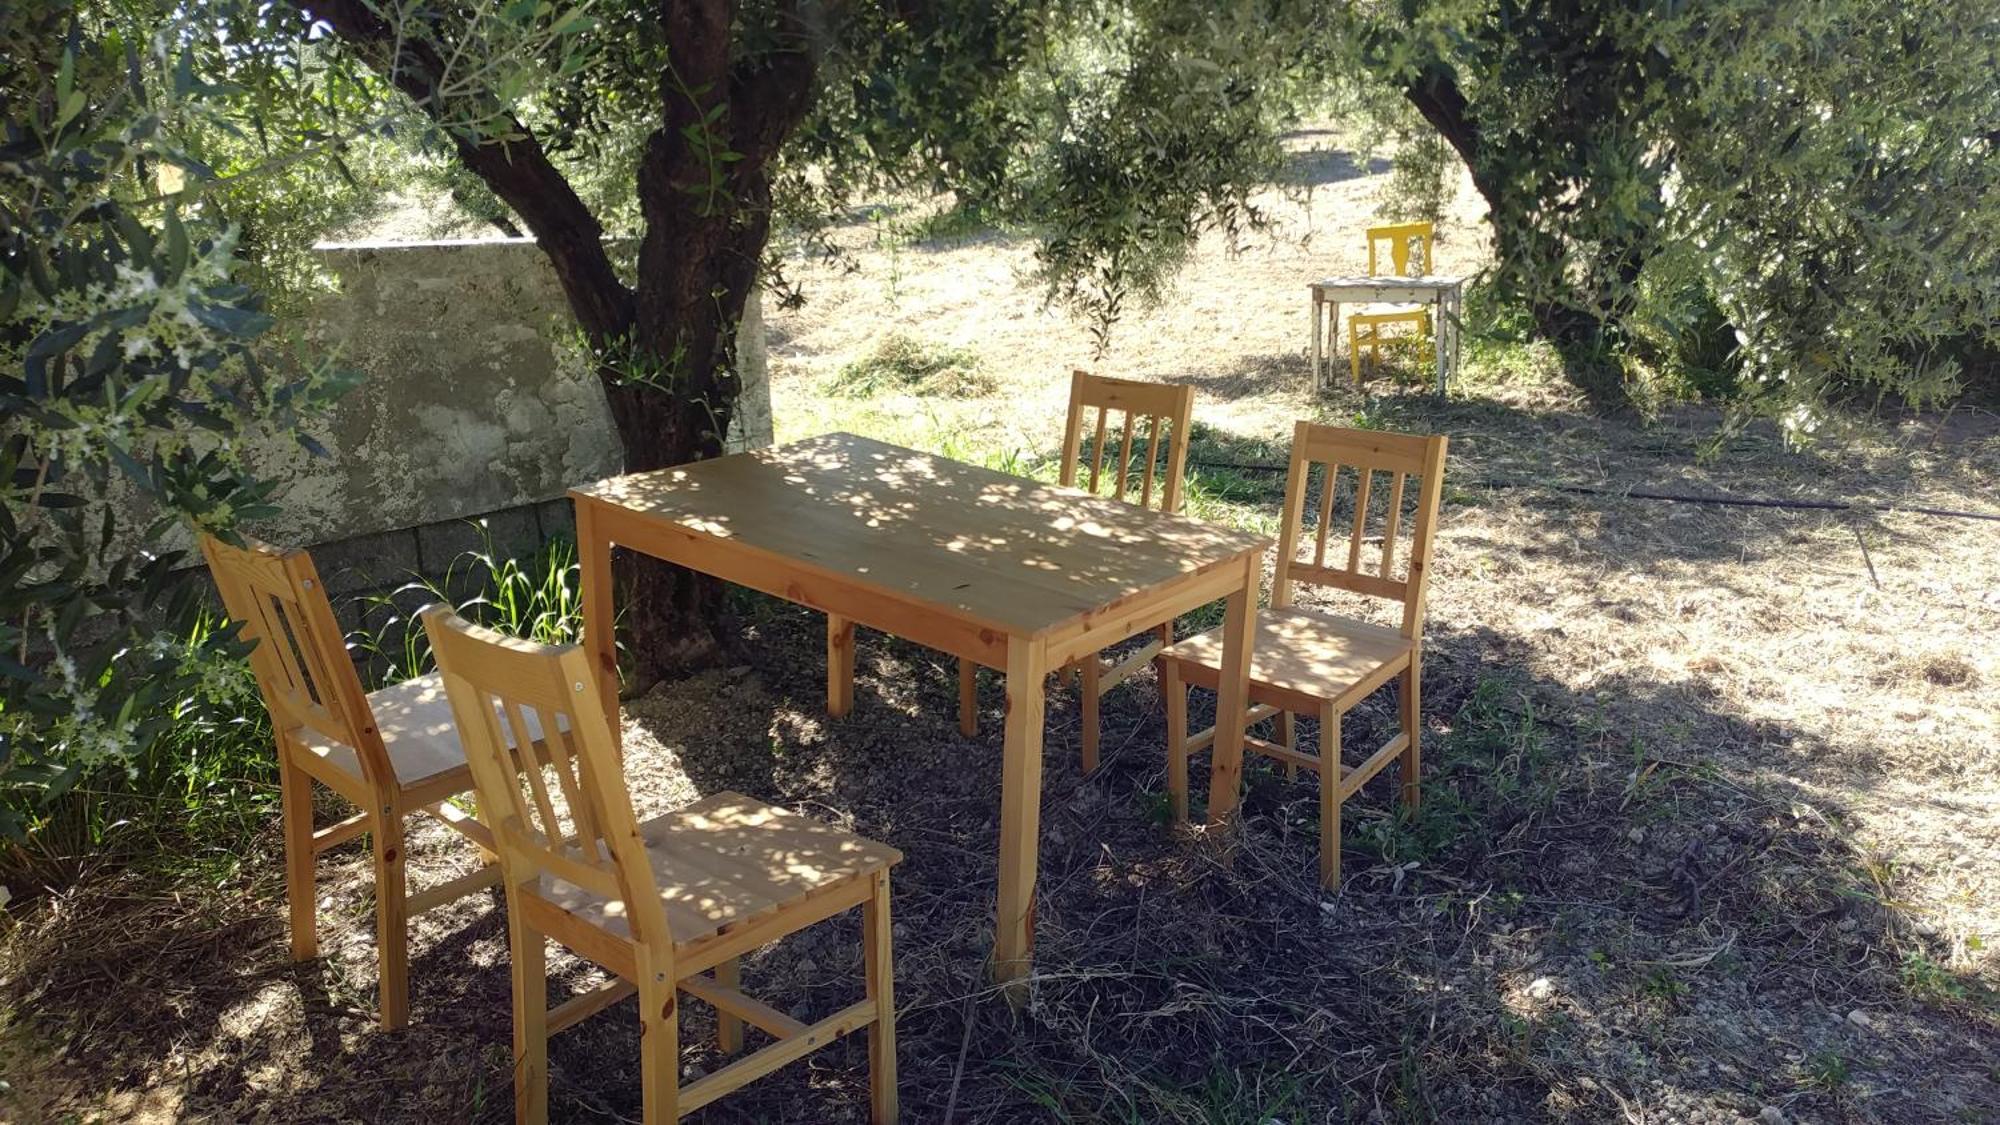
769	96
1435	94
518	169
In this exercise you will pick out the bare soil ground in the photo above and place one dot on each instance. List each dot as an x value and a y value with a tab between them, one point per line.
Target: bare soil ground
1711	833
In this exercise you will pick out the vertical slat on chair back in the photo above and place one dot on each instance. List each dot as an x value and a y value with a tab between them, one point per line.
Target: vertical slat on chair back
1359	486
1146	420
1408	249
299	656
561	807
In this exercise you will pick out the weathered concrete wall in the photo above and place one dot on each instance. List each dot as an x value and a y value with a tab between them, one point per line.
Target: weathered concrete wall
471	406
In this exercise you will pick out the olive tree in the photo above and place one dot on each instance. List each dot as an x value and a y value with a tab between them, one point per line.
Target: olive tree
1115	131
1827	172
131	377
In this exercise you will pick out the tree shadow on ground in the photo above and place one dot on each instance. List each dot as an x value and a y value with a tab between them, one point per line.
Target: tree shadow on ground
1251	377
1535	450
1570	923
1569	927
1599	911
1316	167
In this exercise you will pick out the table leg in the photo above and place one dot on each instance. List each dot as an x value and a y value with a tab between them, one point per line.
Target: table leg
1457	330
593	556
1238	634
839	665
1440	339
1316	381
1020	816
1332	339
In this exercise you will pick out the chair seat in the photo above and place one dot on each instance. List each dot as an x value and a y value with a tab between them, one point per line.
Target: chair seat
417	730
414	718
727	859
1303	657
1416	315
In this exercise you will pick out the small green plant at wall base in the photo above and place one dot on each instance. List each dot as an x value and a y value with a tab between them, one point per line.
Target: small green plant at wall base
1662	982
1827	1070
535	597
1927	980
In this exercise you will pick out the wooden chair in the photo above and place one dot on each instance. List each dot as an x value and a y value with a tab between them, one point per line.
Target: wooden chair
391	753
669	905
1406	249
1152	407
1311	662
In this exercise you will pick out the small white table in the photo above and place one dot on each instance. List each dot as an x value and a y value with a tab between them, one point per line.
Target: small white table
1446	293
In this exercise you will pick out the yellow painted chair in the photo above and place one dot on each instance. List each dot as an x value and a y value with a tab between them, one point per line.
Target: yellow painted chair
1405	248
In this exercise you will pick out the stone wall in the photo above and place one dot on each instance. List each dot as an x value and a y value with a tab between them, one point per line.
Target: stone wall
471	408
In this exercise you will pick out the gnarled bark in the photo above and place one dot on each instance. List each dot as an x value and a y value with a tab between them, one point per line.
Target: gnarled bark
1584	335
666	344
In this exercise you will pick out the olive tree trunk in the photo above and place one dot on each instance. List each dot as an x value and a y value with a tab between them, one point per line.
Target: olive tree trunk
1586	331
665	343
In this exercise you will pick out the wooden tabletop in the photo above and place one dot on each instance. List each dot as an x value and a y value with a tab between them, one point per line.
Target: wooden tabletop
1010	554
1390	281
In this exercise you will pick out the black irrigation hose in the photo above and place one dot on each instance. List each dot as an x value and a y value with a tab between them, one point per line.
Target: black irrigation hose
1678	498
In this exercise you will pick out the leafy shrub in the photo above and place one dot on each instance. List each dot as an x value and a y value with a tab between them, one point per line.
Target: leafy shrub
207	781
899	364
130	379
965	220
1424	178
1695	336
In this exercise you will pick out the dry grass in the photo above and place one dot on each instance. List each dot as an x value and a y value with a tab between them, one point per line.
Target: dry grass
1712	821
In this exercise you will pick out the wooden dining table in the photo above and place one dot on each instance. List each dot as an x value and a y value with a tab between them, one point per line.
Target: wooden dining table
1011	573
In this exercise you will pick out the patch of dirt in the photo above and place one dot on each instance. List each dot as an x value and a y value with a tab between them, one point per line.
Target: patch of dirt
1711	828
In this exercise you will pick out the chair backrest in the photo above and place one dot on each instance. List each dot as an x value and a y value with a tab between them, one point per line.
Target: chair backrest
1153	406
1406	247
1368	453
299	655
583	831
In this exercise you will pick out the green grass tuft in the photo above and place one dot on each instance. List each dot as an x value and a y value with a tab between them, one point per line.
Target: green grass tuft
901	364
535	598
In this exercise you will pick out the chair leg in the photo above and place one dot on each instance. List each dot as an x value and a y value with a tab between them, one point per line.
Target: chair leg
1410	696
1090	670
968	697
1175	694
392	921
1354	350
839	665
659	1046
728	1028
1288	737
529	953
301	893
1068	675
1329	798
878	955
